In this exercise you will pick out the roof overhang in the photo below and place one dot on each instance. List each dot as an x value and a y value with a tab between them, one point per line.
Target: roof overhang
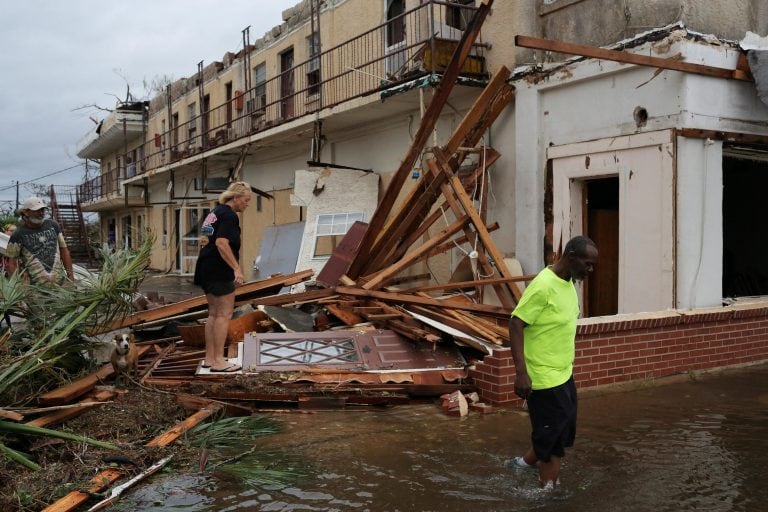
118	129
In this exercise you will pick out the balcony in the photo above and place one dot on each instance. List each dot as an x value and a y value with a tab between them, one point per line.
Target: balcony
120	127
105	193
417	43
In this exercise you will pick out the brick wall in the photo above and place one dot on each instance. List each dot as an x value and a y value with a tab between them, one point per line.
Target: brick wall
623	348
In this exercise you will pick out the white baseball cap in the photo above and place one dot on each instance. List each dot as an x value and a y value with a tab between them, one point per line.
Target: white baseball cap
33	203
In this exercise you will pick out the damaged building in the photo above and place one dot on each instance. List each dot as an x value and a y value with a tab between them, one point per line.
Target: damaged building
640	125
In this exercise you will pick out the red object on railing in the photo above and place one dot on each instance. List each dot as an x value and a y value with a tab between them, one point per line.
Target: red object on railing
239	100
158	140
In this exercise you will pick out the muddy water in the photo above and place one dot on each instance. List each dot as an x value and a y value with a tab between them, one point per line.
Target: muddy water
696	444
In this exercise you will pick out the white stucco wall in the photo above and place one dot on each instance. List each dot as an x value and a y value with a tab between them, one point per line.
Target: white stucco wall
595	100
331	191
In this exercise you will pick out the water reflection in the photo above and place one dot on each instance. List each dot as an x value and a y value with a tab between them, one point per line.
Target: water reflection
689	446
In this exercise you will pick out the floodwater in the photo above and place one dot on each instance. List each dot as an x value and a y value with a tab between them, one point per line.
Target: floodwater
698	443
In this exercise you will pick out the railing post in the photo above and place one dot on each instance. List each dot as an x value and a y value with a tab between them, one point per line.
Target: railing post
432	35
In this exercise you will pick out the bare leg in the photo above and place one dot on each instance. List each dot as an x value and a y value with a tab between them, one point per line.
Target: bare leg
549	471
219	313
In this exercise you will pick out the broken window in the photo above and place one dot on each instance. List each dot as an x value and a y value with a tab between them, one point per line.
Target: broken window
329	231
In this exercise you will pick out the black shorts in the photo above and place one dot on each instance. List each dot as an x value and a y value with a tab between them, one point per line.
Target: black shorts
218	288
553	419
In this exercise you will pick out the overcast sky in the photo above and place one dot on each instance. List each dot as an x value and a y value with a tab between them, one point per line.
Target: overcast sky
56	56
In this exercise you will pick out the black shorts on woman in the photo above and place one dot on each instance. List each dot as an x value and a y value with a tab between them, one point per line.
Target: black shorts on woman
553	419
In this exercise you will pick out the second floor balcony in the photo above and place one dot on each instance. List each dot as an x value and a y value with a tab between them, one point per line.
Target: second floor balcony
410	45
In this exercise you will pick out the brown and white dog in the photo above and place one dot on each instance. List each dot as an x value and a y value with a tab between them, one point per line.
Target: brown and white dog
125	355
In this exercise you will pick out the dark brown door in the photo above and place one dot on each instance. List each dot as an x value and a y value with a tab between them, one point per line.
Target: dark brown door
602	219
286	84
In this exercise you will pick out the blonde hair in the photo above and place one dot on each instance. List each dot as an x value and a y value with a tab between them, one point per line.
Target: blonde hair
235	189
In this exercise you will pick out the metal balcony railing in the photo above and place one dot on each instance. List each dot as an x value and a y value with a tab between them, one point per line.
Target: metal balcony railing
101	186
418	42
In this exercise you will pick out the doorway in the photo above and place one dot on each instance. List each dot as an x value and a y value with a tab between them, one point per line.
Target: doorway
395	38
744	250
602	226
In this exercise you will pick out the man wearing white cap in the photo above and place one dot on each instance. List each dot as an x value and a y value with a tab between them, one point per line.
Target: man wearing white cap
39	245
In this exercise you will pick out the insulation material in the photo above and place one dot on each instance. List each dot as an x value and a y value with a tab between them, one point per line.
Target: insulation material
757	55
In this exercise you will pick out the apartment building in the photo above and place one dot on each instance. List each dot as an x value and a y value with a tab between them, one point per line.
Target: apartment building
317	114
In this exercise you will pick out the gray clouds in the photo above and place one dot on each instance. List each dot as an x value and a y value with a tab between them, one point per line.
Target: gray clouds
58	56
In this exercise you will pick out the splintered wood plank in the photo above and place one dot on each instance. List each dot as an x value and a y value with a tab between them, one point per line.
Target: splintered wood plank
63	415
427	125
475	113
479	225
177	308
79	387
76	498
173	434
468	284
195	403
345	315
400	298
106	477
413	212
293	298
442	248
628	58
409	259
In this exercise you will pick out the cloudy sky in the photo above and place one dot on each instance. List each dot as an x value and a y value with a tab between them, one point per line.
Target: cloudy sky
60	55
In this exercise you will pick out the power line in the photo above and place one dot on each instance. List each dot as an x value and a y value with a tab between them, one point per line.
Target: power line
9	187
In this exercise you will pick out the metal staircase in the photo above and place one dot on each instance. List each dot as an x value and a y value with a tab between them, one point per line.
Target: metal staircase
66	209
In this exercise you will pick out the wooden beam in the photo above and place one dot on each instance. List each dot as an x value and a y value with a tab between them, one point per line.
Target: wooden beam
408	260
468	284
744	138
183	306
450	245
475	113
291	298
63	415
427	125
177	431
629	58
413	212
472	236
401	298
79	387
76	498
479	225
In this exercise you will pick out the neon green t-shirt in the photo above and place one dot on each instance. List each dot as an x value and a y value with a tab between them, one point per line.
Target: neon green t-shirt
550	307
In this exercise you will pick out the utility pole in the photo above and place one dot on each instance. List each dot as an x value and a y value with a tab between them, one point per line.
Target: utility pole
17	196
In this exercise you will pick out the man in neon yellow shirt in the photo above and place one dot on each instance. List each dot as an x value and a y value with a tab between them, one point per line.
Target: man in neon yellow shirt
542	332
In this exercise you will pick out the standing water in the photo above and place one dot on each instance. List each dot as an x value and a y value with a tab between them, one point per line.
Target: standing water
696	444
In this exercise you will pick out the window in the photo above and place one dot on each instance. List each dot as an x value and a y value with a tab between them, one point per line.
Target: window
259	96
313	73
329	231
